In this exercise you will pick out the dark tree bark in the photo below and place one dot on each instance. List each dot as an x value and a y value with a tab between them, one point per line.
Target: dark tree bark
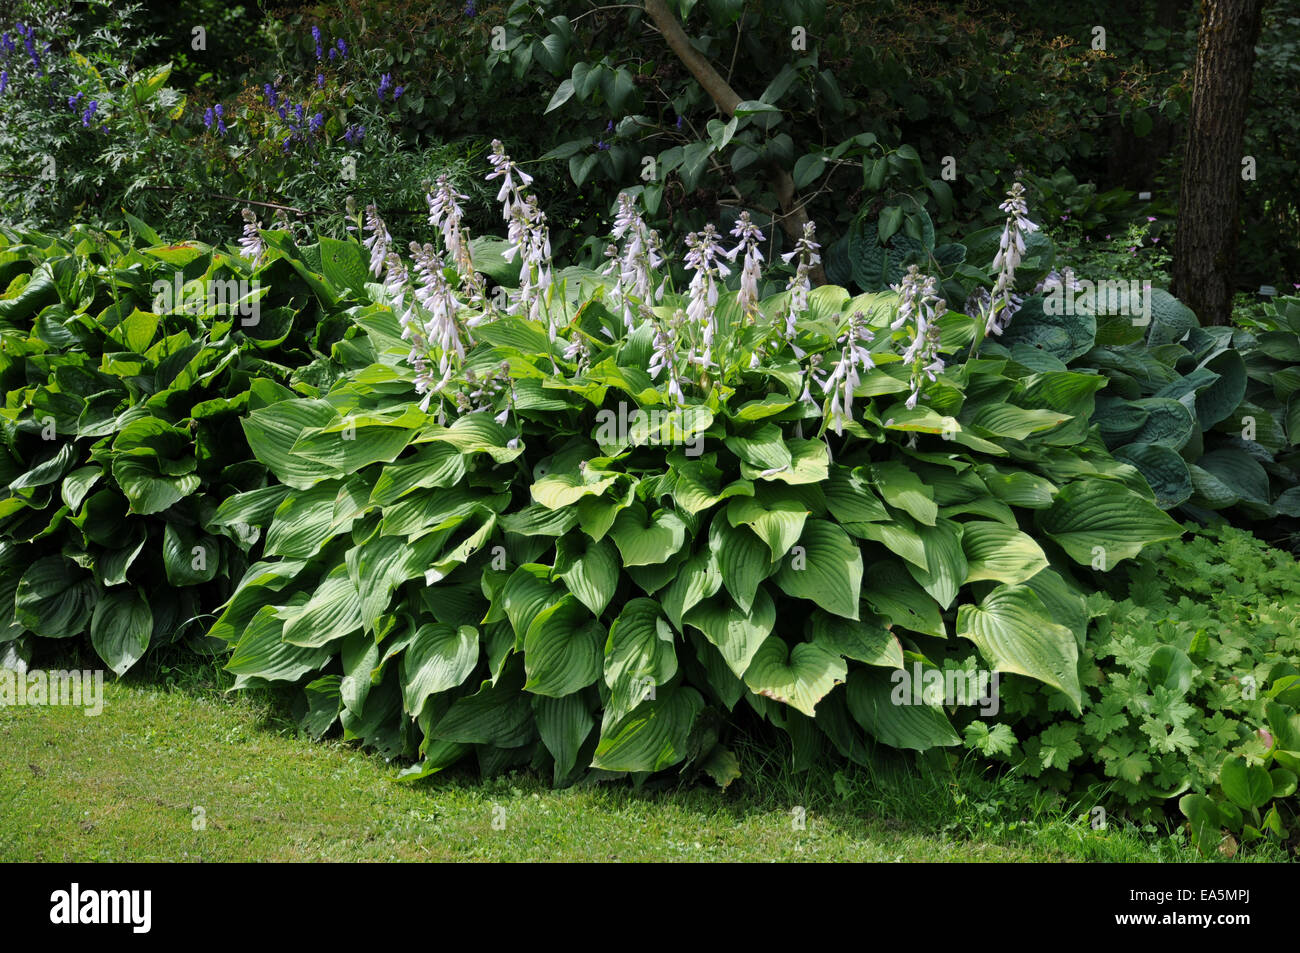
1205	256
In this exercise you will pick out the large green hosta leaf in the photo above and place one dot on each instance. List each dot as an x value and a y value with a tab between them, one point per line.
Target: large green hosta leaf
645	540
825	567
589	569
55	598
120	629
652	736
735	632
1100	522
639	654
439	658
1000	552
562	650
1014	633
890	707
799	677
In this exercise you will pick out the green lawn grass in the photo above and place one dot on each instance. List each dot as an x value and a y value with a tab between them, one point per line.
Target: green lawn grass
176	769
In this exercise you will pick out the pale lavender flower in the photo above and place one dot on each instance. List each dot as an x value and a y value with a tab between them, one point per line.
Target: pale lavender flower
633	267
800	284
749	236
664	357
855	358
704	257
1004	303
378	242
251	245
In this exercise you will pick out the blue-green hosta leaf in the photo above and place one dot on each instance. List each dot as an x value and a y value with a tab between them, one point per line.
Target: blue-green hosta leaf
736	633
589	569
120	629
262	653
891	709
55	598
868	640
1092	519
903	489
564	724
799	677
1165	421
1163	468
825	567
894	594
741	558
439	658
945	561
1000	552
644	540
332	612
652	736
1238	471
562	651
1014	633
779	523
639	655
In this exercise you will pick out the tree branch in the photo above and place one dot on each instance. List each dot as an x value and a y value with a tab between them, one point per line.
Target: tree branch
794	215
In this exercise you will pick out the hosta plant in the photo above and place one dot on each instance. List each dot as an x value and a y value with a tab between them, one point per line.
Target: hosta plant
126	366
592	519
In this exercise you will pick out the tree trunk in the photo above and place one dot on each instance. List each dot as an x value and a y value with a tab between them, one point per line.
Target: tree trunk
727	99
1208	224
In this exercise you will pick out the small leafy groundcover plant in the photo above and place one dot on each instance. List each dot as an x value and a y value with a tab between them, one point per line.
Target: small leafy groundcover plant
583	521
1190	684
125	371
